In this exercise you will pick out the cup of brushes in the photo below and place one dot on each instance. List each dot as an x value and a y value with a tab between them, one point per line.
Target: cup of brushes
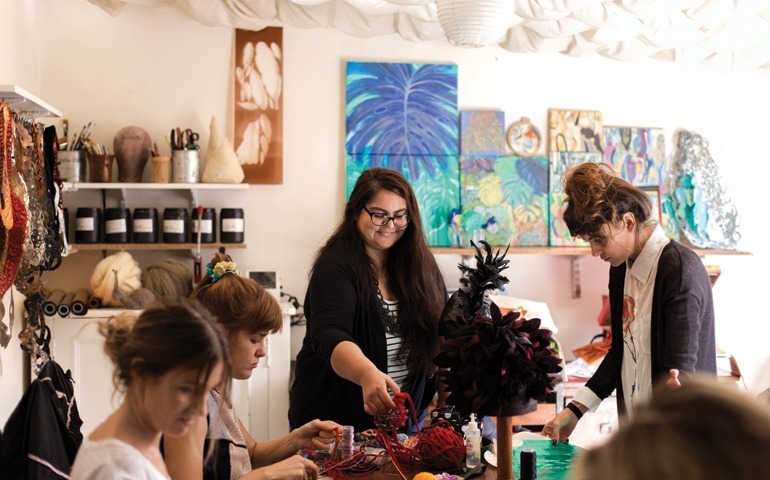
185	160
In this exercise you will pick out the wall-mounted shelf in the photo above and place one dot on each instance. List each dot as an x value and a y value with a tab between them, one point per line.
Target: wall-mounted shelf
25	103
75	247
561	251
75	186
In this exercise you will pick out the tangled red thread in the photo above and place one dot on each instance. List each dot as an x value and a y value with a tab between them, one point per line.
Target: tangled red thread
437	446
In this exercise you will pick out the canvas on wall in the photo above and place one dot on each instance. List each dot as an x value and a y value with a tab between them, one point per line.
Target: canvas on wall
574	131
404	116
638	155
482	132
258	108
504	201
558	164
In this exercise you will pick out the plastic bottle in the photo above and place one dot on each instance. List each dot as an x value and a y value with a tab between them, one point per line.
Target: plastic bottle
472	443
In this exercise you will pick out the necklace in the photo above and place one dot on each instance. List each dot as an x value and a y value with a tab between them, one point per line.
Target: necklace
389	317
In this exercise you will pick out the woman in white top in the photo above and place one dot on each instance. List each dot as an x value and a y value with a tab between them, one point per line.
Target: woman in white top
166	361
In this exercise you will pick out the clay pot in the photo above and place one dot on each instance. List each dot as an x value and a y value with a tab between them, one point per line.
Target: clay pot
132	150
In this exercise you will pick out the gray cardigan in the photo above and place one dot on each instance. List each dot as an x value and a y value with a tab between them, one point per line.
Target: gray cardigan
682	322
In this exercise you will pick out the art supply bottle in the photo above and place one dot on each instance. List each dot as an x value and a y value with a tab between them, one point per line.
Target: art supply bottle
472	443
528	464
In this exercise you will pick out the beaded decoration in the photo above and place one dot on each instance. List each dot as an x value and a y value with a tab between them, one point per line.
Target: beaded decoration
6	151
221	268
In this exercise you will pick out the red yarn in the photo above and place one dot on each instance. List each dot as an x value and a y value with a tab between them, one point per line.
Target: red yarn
441	447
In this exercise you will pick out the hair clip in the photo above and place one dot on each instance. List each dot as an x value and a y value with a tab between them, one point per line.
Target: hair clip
220	269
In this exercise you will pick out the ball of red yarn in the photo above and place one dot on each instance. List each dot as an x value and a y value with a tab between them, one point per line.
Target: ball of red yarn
441	447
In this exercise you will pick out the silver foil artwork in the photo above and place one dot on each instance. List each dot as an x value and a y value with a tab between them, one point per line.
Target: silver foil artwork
705	214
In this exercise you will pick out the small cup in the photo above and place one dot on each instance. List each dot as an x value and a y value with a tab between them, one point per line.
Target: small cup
161	169
185	166
100	168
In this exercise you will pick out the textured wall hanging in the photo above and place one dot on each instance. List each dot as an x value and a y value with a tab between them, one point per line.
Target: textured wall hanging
705	213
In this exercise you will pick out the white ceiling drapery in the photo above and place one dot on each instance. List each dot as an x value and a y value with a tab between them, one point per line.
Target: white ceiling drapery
725	32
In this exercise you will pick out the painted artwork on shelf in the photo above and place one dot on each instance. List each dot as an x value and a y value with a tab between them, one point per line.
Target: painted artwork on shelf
404	116
504	201
482	132
638	155
437	189
575	131
258	108
559	163
653	191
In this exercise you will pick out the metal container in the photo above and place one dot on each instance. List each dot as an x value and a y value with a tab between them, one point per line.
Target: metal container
145	225
72	165
88	225
208	225
185	166
117	225
176	225
232	225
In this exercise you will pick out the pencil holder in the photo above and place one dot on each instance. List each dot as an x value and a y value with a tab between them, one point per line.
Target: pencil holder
185	166
161	169
72	165
100	168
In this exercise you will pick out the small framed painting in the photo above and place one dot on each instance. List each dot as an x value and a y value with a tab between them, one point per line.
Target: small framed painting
654	192
523	138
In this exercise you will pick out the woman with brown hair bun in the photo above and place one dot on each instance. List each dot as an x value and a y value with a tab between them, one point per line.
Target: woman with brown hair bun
165	361
372	306
661	308
247	313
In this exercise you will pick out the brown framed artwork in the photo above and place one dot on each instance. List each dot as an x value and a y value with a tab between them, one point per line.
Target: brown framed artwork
523	137
258	108
655	195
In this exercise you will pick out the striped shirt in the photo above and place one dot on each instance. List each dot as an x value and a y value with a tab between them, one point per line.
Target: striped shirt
397	368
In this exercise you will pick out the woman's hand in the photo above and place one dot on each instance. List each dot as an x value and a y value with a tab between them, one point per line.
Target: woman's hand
293	468
377	399
560	427
316	434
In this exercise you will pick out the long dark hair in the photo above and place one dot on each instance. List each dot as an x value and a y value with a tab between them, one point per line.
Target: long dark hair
413	275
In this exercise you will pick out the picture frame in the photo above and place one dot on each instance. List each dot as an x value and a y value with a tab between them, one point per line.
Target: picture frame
523	138
655	195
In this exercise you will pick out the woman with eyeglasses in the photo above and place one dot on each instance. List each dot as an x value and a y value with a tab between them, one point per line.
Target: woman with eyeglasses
372	307
661	308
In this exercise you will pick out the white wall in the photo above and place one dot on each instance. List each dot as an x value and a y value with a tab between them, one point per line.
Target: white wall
158	69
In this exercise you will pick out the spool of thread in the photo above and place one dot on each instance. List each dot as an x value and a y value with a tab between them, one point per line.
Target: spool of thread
64	306
145	225
346	441
52	301
94	302
117	225
79	305
232	225
528	464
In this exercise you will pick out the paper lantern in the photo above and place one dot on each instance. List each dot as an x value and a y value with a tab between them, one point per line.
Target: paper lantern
475	23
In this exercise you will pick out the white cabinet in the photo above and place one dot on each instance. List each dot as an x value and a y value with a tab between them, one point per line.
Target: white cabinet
261	402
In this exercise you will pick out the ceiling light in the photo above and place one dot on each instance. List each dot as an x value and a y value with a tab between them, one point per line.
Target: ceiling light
475	23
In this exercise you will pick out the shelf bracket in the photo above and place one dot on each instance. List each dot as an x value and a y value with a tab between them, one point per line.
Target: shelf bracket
575	276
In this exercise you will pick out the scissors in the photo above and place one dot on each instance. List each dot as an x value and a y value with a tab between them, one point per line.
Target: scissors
191	139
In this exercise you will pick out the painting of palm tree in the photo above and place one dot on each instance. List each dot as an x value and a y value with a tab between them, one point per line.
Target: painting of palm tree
404	116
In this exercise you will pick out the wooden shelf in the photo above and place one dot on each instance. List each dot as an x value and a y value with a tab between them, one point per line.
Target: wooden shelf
75	186
561	251
152	246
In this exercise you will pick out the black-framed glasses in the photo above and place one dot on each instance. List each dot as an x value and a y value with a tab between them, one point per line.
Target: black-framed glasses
380	219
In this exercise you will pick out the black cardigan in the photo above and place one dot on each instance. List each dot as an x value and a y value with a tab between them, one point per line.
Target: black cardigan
682	322
335	313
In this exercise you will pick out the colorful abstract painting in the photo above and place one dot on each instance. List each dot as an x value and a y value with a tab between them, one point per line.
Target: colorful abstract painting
559	163
575	131
637	154
258	109
404	116
504	201
438	193
482	132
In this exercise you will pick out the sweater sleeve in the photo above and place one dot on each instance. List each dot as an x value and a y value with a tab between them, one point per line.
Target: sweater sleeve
331	304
